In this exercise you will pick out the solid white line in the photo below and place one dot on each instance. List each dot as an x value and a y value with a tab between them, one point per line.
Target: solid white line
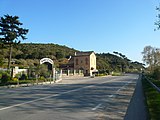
98	106
16	105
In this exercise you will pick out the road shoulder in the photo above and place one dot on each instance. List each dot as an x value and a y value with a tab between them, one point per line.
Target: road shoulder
137	109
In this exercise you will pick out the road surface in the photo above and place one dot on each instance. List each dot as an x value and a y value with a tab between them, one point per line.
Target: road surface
99	98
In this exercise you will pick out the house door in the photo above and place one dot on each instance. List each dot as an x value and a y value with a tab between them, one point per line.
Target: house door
86	72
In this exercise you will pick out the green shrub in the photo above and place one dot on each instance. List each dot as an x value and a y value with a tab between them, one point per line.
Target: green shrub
105	72
41	79
100	74
117	74
23	77
152	100
25	81
156	73
1	74
15	79
5	78
12	82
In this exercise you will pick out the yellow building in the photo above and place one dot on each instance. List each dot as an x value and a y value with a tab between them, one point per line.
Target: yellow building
85	61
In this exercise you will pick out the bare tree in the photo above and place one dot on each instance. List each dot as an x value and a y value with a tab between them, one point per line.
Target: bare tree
151	56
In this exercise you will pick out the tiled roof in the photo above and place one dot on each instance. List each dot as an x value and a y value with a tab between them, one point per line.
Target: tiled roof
84	53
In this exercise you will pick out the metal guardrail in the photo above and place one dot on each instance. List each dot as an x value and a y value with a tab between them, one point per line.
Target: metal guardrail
152	84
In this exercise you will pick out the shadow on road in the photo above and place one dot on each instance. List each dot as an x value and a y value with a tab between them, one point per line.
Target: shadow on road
113	99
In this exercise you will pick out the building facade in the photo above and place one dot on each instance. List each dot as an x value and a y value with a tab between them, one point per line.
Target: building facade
85	61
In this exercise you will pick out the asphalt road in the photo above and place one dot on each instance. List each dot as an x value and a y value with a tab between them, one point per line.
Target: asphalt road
102	98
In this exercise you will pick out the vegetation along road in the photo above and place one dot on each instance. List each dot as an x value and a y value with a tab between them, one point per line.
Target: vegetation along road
74	99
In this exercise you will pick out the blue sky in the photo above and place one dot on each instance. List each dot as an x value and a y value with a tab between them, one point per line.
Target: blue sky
125	26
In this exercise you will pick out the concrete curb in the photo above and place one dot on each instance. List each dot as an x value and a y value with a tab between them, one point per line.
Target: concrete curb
31	84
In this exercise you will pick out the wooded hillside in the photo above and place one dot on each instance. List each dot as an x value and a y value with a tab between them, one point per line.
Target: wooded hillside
29	54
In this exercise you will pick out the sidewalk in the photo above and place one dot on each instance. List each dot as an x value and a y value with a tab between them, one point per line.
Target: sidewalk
137	109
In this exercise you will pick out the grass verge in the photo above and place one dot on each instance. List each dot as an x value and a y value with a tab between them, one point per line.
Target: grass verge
117	74
152	100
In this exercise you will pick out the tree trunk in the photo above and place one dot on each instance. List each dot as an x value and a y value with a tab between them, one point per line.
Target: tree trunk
10	57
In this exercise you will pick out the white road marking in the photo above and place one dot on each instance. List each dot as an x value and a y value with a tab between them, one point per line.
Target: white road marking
111	96
98	106
20	104
123	87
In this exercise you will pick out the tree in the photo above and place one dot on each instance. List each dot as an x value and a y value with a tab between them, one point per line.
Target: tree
10	32
59	54
42	70
151	56
148	56
157	23
124	60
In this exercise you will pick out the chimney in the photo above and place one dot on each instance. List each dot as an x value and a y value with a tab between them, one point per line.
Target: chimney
69	58
75	53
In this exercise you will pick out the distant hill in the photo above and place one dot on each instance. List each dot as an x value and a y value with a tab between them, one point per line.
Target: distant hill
107	62
38	51
29	54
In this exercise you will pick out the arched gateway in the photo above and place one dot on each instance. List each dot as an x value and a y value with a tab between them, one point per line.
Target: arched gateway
55	76
43	60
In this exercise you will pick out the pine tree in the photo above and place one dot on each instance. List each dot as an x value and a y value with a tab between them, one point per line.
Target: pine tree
11	32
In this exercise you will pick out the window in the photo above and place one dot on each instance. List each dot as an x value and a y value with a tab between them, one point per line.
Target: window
86	61
77	61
